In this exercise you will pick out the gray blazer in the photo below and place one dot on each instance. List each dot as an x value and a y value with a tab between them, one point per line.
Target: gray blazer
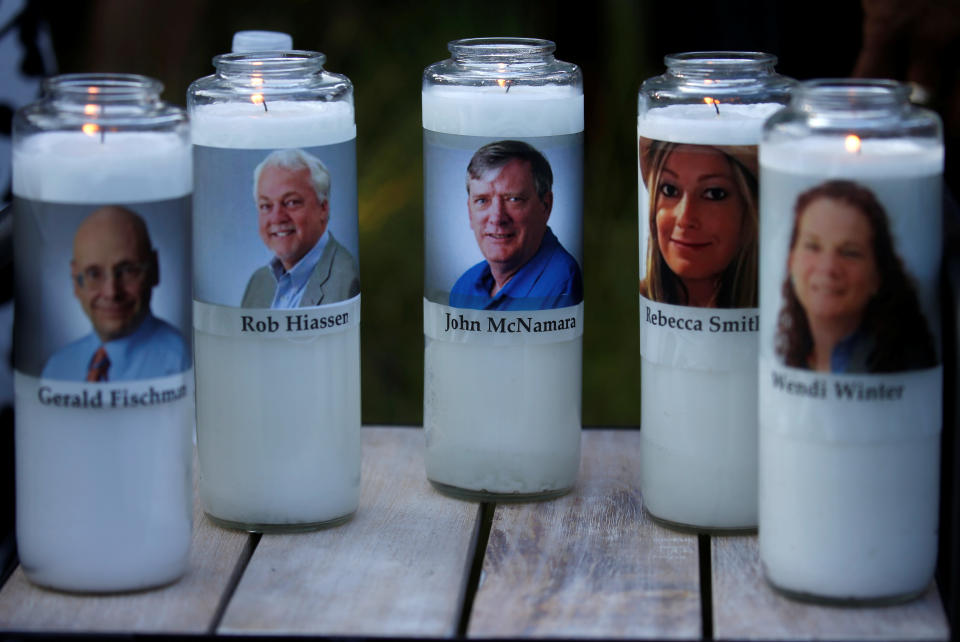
335	278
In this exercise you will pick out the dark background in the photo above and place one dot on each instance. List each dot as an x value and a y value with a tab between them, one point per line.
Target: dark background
383	48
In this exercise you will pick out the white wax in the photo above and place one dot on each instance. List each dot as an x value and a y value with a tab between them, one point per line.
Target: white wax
278	427
700	124
877	158
849	521
278	419
698	446
103	496
72	167
492	111
283	124
503	420
698	430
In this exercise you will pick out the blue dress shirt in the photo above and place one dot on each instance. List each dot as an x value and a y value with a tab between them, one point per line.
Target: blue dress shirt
291	285
154	349
551	279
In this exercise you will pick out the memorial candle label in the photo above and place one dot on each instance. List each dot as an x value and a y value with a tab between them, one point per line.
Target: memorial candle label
277	241
503	220
698	240
103	308
849	332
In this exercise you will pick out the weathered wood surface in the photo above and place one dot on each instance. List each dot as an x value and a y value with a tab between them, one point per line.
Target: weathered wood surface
589	564
746	608
398	568
190	605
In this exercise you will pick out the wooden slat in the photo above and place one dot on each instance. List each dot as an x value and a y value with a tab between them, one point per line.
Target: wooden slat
187	606
590	564
746	608
398	568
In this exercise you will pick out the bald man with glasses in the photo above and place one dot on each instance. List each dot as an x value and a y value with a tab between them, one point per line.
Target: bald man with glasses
114	270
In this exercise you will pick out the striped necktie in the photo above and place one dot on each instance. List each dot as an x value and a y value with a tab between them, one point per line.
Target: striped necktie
99	365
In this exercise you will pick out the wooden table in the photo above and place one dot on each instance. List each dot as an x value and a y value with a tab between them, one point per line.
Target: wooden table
588	565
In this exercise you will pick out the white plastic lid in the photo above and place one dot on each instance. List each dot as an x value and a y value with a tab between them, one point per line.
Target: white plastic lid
261	41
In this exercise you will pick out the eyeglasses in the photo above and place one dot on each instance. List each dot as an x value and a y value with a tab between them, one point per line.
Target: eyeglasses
94	277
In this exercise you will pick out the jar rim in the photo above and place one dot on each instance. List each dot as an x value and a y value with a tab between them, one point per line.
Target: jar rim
854	87
501	47
102	86
280	60
726	60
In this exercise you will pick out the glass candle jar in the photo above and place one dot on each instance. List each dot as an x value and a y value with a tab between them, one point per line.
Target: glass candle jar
698	127
103	381
276	292
503	300
850	363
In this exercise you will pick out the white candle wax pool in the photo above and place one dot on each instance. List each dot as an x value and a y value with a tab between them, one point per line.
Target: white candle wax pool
278	418
848	489
503	419
698	456
103	496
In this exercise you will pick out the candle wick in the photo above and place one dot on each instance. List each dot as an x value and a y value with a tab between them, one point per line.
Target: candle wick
508	87
265	105
103	136
716	106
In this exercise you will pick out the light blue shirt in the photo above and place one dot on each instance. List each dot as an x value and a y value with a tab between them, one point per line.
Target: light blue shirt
291	285
154	349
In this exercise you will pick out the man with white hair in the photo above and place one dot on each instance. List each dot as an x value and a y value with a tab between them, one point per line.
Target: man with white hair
309	267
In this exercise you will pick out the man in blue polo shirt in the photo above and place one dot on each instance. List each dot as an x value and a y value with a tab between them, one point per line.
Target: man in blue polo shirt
509	198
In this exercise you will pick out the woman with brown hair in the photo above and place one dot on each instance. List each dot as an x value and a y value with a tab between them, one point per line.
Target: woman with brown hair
849	305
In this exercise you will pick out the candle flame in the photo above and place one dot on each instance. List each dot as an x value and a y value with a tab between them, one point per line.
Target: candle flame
709	100
257	99
713	101
502	83
90	129
852	143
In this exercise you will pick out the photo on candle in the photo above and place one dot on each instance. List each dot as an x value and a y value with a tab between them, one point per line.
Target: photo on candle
699	218
103	291
854	286
503	222
279	228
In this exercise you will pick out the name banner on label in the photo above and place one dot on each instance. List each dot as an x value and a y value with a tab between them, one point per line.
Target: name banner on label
462	325
125	395
850	408
267	322
699	338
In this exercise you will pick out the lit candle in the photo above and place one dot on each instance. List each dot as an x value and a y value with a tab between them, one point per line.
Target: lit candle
278	370
502	369
104	481
850	374
698	128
